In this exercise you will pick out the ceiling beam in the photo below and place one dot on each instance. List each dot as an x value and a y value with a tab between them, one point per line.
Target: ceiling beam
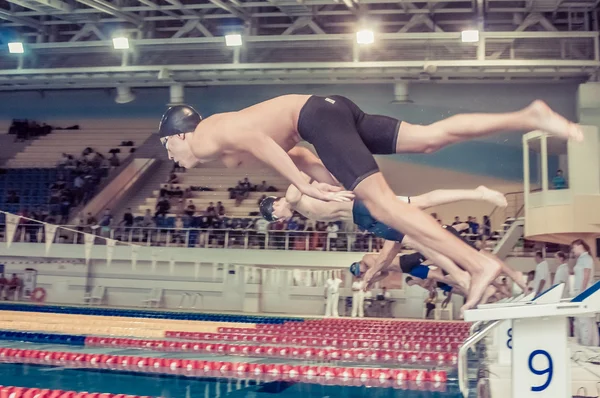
239	14
28	4
156	7
9	16
57	4
108	8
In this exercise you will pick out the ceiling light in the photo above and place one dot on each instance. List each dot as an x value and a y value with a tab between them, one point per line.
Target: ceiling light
121	43
16	48
469	36
365	36
233	40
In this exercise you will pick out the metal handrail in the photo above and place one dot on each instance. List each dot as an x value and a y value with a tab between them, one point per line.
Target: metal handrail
462	356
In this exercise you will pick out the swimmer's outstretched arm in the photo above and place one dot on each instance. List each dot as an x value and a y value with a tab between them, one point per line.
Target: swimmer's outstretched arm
388	252
444	196
265	149
310	164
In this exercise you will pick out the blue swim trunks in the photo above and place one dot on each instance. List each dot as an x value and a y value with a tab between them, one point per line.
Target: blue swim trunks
444	287
364	219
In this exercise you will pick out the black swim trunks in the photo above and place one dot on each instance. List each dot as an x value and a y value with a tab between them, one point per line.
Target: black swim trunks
346	138
412	261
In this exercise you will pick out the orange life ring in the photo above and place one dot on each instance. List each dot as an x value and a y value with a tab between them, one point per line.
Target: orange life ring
38	295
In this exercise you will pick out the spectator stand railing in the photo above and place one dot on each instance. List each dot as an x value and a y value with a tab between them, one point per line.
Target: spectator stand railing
209	238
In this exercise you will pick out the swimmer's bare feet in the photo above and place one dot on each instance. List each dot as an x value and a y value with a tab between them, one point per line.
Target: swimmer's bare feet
480	280
492	196
462	280
547	120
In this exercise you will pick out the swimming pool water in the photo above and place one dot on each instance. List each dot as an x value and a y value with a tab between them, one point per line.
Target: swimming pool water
93	380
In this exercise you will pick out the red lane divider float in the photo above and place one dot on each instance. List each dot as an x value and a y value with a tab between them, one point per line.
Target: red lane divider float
215	368
434	344
355	355
24	392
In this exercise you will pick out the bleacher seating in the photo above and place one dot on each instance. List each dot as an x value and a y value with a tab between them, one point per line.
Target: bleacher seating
220	180
46	151
31	185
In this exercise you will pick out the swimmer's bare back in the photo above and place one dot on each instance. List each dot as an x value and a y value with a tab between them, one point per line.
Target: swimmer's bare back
227	134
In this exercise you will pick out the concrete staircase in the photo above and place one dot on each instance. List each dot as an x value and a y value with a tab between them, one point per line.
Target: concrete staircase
9	148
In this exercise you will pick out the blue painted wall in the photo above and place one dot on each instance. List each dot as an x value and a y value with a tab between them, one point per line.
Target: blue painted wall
499	156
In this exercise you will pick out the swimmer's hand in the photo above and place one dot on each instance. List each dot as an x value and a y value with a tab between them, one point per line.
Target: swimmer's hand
326	192
445	302
369	275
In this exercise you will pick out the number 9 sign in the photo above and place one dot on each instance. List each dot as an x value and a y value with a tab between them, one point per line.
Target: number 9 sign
548	370
540	358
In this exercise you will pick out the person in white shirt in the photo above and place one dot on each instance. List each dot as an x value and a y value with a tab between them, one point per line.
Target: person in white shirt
562	273
358	299
332	230
332	292
586	329
543	280
262	226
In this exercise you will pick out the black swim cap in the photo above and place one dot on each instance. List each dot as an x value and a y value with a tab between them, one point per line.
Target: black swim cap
179	119
266	208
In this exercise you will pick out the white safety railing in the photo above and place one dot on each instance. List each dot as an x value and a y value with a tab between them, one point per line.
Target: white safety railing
463	380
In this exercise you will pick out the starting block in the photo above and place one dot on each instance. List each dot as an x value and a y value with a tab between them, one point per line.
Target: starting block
532	336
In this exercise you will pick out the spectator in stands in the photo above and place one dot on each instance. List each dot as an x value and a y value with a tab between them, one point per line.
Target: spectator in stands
89	187
190	210
114	160
559	182
247	185
457	220
105	223
127	220
210	210
262	187
487	227
164	191
262	227
177	193
292	227
78	183
332	235
90	220
220	209
162	207
473	225
148	220
204	224
173	179
178	235
65	209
